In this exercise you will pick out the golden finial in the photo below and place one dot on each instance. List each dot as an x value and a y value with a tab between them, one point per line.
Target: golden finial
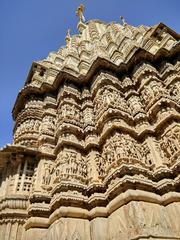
79	13
123	20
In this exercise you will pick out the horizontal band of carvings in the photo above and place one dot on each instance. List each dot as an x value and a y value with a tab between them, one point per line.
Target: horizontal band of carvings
153	105
98	195
28	135
101	199
145	129
118	124
12	220
119	201
105	79
26	114
14	202
99	63
10	151
153	110
151	173
13	213
152	74
143	179
162	103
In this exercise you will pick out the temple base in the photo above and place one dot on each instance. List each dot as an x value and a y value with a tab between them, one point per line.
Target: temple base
135	220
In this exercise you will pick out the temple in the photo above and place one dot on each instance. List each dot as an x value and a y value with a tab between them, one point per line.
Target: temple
96	147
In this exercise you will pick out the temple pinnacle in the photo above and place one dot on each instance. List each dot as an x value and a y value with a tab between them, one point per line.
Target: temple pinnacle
68	36
123	20
79	13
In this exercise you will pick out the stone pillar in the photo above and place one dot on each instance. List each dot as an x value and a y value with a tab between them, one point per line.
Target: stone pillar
14	231
93	169
39	176
8	231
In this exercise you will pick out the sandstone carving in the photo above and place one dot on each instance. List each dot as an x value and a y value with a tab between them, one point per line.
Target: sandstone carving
96	148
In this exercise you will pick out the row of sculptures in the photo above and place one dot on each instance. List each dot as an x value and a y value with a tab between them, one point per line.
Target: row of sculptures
118	149
110	96
107	97
70	164
88	108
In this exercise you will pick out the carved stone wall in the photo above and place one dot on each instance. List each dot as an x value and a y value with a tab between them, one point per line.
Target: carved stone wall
96	150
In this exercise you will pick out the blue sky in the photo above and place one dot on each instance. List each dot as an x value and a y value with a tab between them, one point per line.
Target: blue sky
30	29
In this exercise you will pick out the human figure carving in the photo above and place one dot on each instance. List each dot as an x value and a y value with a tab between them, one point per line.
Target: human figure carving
47	174
135	104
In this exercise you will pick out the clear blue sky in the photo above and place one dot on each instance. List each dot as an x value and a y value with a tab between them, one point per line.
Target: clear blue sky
30	29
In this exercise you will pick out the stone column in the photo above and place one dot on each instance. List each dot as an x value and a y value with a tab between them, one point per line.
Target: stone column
14	231
93	169
39	176
8	231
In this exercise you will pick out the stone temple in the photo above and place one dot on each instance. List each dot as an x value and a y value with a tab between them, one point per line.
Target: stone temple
96	148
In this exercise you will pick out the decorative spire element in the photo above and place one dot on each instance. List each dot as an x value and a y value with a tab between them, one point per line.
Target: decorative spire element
123	21
68	37
79	13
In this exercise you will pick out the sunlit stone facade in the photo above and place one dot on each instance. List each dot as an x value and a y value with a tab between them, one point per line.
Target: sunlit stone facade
96	148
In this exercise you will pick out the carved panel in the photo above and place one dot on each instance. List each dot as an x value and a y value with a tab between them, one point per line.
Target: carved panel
169	145
70	164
